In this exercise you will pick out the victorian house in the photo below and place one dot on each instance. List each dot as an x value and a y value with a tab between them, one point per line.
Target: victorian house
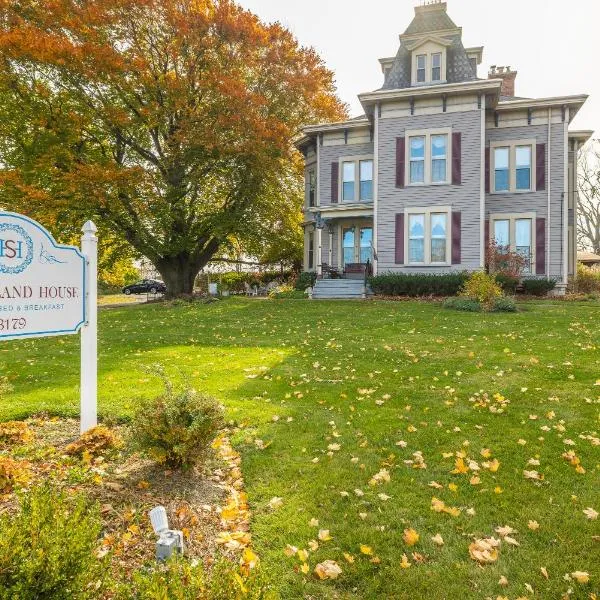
441	163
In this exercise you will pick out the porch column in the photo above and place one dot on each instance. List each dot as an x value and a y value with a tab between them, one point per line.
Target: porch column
330	257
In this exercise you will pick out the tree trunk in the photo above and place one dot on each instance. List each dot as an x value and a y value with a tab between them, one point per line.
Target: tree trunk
179	274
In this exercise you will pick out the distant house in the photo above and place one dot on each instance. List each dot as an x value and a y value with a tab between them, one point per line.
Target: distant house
588	259
441	163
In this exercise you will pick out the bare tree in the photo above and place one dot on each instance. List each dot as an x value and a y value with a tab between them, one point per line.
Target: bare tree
588	236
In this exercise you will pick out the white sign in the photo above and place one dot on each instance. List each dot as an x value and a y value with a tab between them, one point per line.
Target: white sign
42	284
50	289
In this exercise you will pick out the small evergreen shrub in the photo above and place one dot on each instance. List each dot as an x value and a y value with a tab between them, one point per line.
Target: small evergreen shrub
463	304
47	549
305	280
538	287
482	287
508	283
505	304
178	427
415	285
94	442
179	579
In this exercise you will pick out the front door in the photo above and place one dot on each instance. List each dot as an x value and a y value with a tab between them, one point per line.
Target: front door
357	244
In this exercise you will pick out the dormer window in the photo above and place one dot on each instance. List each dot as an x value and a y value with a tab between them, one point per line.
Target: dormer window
436	66
429	57
421	67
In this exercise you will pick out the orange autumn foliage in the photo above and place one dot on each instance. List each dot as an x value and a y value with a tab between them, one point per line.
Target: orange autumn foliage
170	122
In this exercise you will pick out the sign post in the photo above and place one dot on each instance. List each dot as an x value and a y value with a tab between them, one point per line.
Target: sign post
49	289
89	331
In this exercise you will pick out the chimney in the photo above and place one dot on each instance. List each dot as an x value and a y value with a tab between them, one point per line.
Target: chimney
508	79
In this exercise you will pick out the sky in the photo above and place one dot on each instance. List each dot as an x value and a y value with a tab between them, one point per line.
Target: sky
553	44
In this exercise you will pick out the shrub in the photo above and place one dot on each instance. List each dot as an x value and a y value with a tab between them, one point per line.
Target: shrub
508	283
414	285
287	291
177	427
463	304
186	581
482	287
538	287
94	442
15	432
47	549
588	280
501	261
305	280
14	474
505	304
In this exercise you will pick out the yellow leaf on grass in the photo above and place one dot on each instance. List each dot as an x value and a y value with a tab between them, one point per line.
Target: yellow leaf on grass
484	551
366	550
328	569
405	564
324	535
305	568
349	558
581	577
410	537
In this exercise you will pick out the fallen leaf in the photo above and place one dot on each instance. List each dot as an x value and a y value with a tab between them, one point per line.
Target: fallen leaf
410	537
328	569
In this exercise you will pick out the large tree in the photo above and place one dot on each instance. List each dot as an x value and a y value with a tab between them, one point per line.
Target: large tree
169	121
588	210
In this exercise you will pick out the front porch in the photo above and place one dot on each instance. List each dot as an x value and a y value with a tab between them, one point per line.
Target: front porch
346	248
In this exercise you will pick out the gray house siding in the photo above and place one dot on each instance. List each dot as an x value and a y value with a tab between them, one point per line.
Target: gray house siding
537	201
464	198
330	154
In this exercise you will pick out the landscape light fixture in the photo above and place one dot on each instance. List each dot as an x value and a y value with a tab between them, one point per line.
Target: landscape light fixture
169	540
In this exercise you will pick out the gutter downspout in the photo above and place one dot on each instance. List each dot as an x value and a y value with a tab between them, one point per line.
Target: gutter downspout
375	182
319	231
565	231
483	242
548	175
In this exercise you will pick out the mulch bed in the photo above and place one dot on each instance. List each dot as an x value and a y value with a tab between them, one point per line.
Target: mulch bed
208	503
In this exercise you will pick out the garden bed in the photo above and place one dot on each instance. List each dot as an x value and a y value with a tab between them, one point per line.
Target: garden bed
126	486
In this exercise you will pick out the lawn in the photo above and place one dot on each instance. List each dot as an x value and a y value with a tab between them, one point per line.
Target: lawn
339	392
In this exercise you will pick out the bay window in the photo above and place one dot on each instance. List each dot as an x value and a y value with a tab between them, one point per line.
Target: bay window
515	233
427	236
513	168
428	157
357	179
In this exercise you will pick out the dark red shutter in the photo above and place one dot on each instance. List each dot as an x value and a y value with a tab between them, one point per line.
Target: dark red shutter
456	158
540	246
456	238
400	161
486	233
400	239
335	181
540	167
487	170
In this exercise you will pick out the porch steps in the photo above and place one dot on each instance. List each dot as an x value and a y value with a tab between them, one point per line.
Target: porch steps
345	289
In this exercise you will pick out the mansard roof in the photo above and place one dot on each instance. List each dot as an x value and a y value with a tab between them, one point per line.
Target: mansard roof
431	21
430	17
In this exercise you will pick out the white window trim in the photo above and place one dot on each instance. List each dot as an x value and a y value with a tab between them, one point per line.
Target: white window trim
512	218
356	160
428	211
512	166
429	67
428	133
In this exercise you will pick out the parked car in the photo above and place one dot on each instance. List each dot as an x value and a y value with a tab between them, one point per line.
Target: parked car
146	286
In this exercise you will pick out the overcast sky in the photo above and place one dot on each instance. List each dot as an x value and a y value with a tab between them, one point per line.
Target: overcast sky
554	44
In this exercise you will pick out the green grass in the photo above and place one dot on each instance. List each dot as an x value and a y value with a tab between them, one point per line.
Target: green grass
321	368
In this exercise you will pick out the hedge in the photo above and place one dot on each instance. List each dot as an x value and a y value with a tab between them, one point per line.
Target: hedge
414	285
538	287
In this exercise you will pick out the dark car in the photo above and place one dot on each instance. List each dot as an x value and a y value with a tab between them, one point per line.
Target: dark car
146	286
